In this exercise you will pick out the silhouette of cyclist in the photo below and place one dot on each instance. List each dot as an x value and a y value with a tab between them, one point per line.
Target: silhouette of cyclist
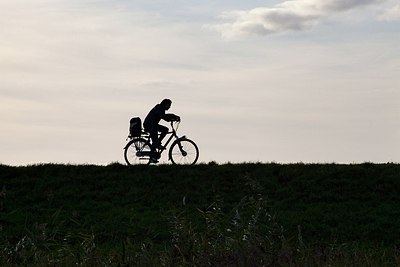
152	126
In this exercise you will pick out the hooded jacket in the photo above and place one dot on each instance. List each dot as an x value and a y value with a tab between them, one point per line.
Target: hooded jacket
155	115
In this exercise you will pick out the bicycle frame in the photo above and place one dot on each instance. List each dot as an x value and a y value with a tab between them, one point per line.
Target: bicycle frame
172	134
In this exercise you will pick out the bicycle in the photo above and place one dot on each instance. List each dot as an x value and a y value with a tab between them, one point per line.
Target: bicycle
181	151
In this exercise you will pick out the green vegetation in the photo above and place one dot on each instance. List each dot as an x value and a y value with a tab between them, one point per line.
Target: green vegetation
203	215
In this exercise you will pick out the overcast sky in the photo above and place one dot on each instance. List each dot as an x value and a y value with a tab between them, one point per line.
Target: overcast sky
284	81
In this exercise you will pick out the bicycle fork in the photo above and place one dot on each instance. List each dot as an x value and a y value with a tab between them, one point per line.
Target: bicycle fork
181	149
184	153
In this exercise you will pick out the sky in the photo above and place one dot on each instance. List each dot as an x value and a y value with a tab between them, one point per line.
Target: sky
312	81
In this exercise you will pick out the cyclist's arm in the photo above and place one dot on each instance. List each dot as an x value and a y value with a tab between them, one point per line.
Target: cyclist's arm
171	117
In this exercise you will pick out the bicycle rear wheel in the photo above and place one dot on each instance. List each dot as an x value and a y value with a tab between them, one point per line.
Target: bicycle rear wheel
184	151
137	151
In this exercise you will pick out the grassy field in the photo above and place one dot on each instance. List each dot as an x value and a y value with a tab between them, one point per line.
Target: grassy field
203	215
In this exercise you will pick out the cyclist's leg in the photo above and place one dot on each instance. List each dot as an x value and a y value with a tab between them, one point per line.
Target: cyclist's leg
163	132
154	141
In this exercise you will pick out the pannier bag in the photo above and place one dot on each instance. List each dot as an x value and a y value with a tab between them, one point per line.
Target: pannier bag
135	127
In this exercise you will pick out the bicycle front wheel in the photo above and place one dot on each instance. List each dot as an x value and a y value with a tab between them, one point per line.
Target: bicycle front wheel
184	151
137	151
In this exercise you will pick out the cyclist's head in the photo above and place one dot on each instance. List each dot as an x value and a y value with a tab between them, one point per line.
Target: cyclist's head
166	103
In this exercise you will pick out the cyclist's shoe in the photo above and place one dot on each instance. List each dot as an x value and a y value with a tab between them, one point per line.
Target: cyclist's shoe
153	160
155	155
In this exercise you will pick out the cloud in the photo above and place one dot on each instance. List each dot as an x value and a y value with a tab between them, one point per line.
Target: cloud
391	14
295	15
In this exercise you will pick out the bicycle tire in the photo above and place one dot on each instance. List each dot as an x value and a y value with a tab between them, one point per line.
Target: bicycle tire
133	152
184	151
